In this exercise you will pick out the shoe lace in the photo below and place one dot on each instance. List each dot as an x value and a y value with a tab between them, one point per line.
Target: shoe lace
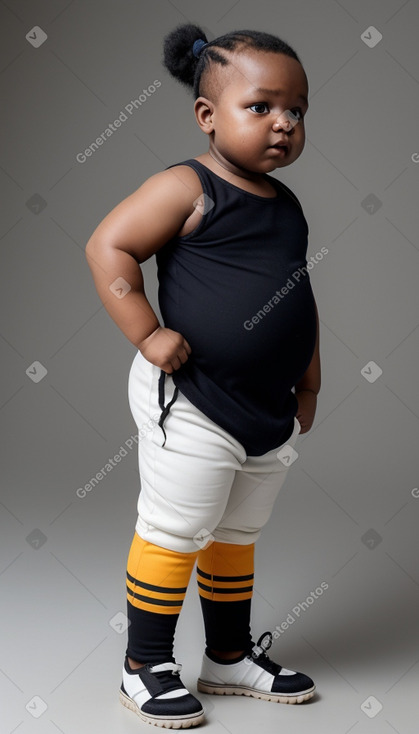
268	664
258	653
168	675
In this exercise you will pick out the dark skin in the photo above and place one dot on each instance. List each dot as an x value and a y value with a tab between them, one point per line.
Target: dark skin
241	125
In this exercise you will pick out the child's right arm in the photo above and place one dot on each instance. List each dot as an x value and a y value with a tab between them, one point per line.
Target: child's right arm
131	233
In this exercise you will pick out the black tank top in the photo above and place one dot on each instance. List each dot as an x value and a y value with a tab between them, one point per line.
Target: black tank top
220	286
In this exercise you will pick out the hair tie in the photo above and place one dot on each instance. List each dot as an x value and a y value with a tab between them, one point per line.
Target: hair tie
198	46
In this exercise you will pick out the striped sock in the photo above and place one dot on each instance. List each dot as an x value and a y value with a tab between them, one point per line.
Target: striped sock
157	580
225	574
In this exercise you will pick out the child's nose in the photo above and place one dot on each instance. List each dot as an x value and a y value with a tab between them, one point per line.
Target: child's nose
286	121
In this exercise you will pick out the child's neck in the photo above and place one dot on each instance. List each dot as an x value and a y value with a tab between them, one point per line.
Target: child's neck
254	183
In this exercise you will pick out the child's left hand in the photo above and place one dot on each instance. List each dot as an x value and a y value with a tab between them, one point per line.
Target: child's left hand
307	404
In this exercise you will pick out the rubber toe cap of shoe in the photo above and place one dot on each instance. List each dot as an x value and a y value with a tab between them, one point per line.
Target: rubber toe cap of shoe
182	706
297	683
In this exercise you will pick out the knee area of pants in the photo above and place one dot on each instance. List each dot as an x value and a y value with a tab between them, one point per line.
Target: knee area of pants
190	538
238	537
176	542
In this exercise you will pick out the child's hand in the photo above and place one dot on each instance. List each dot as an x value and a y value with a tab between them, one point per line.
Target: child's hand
166	349
307	403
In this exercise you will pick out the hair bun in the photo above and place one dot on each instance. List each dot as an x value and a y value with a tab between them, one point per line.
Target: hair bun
178	57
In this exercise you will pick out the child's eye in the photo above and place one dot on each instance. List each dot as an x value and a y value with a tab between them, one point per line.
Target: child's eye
299	112
262	107
259	104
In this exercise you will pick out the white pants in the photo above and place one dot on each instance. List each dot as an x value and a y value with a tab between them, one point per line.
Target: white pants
198	484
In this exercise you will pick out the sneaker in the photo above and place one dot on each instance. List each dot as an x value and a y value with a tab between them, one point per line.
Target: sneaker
157	695
254	674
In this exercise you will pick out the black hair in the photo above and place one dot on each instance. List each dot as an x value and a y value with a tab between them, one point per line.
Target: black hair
179	60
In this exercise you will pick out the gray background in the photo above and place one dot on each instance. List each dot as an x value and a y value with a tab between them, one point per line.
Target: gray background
348	513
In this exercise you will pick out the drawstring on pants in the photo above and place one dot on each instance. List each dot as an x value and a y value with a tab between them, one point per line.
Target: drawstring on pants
164	409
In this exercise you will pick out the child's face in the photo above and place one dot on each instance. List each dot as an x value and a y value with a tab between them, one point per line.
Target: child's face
245	123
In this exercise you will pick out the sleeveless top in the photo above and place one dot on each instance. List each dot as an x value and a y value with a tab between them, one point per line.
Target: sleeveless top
237	288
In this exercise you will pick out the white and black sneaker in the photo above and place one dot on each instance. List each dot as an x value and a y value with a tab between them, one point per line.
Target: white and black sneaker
254	674
157	695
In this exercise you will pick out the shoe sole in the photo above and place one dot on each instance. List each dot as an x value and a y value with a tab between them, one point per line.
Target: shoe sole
223	690
170	723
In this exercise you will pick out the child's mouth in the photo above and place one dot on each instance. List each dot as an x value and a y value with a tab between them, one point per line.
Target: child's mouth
281	149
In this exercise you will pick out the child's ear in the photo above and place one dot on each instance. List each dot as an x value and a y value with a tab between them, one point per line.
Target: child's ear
204	110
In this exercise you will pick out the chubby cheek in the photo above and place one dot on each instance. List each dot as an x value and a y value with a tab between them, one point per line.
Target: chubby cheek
298	139
232	132
237	139
243	127
302	140
300	132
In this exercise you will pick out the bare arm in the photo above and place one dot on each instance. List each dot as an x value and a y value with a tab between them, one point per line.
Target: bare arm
311	380
308	387
131	233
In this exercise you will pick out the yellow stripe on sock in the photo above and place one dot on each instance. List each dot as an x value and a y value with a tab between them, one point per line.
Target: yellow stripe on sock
225	571
157	578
